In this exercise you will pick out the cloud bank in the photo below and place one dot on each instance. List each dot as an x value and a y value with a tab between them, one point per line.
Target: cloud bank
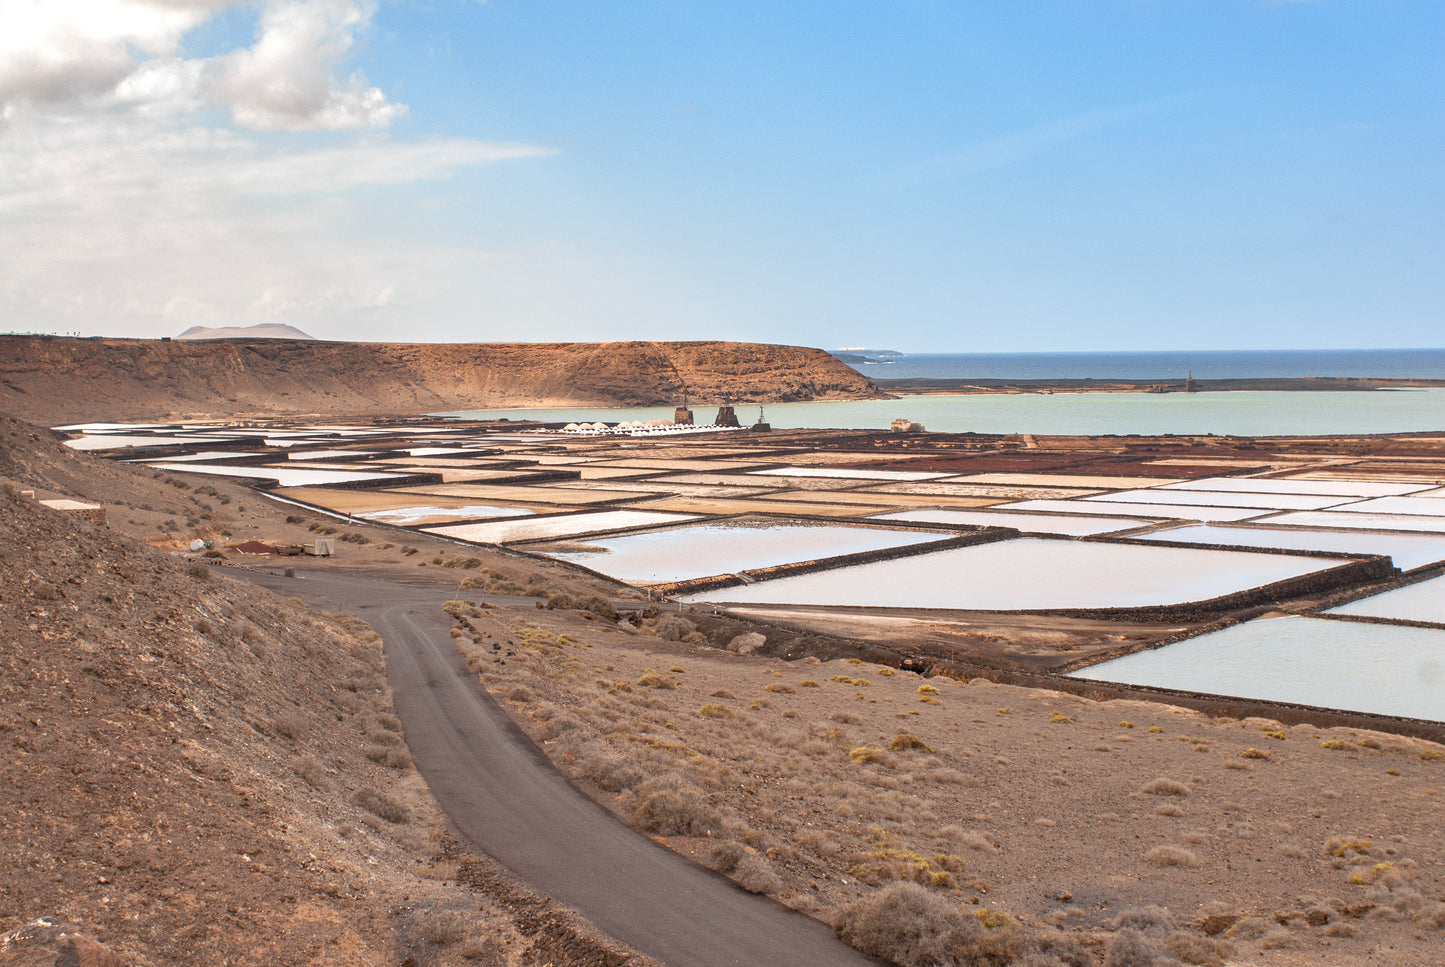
147	187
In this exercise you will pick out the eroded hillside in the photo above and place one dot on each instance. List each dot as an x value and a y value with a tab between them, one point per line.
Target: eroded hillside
53	380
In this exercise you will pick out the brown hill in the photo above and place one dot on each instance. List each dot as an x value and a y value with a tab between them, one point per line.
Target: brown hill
197	770
50	379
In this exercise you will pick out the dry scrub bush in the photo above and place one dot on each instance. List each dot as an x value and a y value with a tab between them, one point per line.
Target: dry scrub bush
651	679
756	875
906	742
1168	855
293	724
1129	948
668	807
911	927
308	768
893	863
868	754
610	770
381	806
391	756
674	627
1165	787
712	710
443	928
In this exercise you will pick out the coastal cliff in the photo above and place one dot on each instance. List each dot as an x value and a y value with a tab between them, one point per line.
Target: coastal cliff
54	379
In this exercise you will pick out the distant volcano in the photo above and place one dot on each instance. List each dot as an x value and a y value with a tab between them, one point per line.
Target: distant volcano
265	330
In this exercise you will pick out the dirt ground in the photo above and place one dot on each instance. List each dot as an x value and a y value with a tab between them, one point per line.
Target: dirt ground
820	781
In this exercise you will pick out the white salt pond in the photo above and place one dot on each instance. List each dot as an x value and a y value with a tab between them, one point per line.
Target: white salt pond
1407	551
1126	509
117	441
726	547
431	515
1073	526
284	476
1335	520
565	525
1031	574
1290	485
1416	602
1219	498
1411	506
1379	669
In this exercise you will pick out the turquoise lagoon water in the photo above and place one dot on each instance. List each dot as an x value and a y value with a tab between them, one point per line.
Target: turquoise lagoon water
1241	414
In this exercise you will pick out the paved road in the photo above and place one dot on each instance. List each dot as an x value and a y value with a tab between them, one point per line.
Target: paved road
506	799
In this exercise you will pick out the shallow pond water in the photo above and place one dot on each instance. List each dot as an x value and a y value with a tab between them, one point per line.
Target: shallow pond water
1380	669
726	547
1416	602
1030	573
1290	485
1407	551
407	516
1335	520
566	525
1221	498
1412	506
1124	508
284	476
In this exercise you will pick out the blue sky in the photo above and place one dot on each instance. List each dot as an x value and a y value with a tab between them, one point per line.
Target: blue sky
951	176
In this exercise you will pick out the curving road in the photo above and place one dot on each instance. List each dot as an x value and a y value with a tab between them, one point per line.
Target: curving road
506	799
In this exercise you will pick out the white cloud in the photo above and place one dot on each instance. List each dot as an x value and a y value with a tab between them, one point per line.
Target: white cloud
287	80
60	52
121	54
128	209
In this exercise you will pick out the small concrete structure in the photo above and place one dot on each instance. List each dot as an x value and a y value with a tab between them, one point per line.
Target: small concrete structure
682	415
726	417
324	547
95	513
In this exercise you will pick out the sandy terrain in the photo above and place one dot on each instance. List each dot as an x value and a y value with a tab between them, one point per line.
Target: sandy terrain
1264	843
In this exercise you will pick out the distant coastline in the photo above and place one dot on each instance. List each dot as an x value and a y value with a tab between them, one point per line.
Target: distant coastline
918	386
1083	371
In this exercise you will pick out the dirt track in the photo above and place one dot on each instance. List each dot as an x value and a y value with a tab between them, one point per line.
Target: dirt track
506	799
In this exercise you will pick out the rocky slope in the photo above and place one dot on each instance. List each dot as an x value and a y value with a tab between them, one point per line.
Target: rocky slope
49	379
197	770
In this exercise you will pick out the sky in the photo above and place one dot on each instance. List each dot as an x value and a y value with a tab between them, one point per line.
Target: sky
920	175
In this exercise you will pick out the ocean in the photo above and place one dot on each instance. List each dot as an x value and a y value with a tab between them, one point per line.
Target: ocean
1212	364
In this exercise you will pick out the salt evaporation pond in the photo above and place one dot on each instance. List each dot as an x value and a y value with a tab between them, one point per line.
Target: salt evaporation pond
1031	574
563	525
1413	506
1073	526
1405	550
1122	508
285	477
1217	498
405	516
1416	602
1378	669
1292	485
726	547
1335	520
